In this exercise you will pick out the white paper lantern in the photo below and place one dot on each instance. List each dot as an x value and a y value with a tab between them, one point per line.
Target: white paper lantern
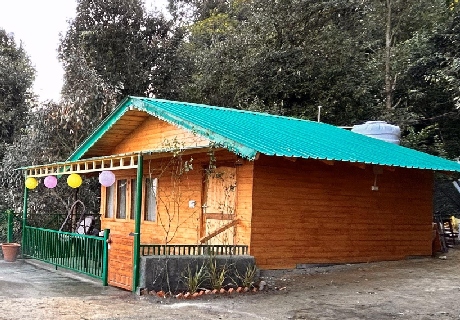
106	178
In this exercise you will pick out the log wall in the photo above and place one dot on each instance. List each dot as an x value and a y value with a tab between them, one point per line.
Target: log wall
309	211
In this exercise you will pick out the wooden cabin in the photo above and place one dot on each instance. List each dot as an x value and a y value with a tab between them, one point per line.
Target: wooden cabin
295	192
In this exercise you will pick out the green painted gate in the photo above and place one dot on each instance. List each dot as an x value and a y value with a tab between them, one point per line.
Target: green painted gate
81	253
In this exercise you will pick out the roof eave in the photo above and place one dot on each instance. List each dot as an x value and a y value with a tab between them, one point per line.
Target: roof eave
217	139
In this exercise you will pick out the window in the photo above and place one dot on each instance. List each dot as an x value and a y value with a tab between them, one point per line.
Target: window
150	208
133	198
116	200
121	198
109	197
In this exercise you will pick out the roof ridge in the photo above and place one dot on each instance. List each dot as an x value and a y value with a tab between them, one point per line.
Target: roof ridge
263	114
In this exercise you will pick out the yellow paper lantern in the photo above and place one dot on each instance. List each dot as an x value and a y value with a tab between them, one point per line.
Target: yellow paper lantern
74	180
31	183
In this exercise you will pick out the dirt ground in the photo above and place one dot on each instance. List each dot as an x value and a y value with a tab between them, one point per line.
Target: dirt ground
425	288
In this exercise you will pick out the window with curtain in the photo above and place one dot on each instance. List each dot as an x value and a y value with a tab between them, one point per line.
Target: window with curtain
109	197
150	208
133	198
122	186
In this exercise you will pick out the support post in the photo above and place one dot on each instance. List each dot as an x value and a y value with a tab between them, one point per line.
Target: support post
105	259
137	221
9	214
24	221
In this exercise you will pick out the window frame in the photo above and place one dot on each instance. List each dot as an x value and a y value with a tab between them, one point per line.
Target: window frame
130	190
144	200
118	183
128	205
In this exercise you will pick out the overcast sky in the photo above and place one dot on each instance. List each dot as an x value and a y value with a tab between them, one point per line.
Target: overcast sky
37	23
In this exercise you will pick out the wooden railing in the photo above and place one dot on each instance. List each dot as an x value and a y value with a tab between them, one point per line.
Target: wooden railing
186	249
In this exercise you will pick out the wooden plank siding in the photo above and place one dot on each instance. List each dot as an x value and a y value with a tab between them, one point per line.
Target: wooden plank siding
121	257
244	188
311	212
176	223
117	133
289	211
154	133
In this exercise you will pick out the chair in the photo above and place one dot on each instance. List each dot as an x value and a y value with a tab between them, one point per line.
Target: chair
446	230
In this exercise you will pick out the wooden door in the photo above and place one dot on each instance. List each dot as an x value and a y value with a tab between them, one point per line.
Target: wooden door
121	261
219	206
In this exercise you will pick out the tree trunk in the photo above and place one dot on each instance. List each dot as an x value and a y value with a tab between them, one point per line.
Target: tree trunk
388	78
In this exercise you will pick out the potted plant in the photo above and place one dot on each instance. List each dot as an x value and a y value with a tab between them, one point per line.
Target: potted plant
10	251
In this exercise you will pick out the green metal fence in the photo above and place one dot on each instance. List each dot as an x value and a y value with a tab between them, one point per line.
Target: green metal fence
4	227
10	227
185	249
77	252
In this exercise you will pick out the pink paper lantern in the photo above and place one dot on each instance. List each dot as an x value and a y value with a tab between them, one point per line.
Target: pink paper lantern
106	178
50	182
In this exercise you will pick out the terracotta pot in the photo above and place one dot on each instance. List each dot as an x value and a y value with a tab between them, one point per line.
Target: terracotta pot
10	251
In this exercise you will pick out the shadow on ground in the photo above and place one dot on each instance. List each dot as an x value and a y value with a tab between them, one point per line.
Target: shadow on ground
24	279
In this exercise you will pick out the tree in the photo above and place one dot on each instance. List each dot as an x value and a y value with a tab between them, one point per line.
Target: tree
398	27
44	140
191	11
16	98
430	86
119	40
284	57
354	58
111	49
388	41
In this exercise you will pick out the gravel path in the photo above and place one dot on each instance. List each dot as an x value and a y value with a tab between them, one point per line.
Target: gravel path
426	288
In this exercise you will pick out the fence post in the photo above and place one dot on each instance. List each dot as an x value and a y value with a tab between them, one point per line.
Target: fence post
137	220
24	209
105	258
9	213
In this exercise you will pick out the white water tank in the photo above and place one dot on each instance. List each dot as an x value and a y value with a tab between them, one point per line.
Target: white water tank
379	130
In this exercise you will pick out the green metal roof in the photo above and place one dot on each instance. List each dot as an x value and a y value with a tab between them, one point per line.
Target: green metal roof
248	133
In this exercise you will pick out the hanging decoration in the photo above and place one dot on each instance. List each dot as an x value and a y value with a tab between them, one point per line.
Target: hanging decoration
31	183
50	182
74	180
106	178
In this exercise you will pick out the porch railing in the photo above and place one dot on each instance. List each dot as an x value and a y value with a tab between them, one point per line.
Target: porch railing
81	253
185	249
